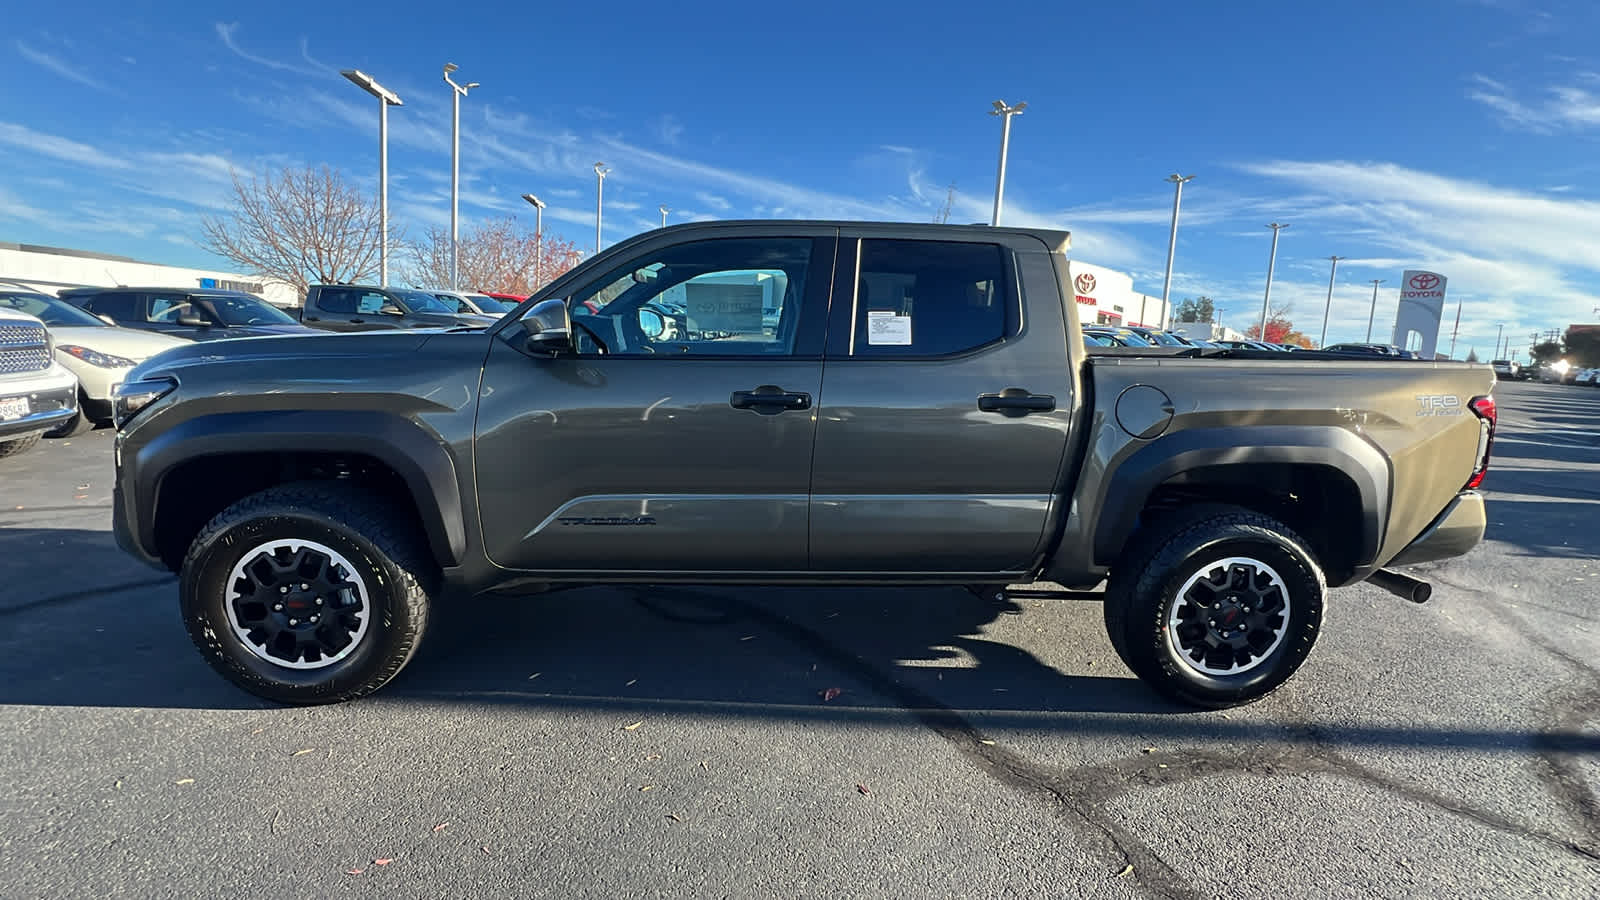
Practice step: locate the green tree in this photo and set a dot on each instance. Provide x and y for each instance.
(1583, 345)
(1548, 351)
(1197, 310)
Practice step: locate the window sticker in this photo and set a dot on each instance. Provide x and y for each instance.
(885, 328)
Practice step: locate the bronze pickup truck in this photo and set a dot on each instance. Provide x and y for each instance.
(811, 403)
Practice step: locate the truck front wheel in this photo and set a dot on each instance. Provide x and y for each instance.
(1217, 607)
(307, 593)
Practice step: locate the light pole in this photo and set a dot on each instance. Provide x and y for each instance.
(664, 212)
(1005, 112)
(1455, 330)
(457, 91)
(538, 239)
(1178, 181)
(1374, 314)
(600, 172)
(385, 97)
(1499, 332)
(1323, 341)
(1271, 261)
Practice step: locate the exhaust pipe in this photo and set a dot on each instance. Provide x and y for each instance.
(1402, 586)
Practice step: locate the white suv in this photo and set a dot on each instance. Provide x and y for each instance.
(37, 393)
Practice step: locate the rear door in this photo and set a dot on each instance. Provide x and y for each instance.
(945, 410)
(126, 308)
(677, 440)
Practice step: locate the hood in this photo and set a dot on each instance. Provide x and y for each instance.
(452, 320)
(129, 342)
(298, 347)
(240, 331)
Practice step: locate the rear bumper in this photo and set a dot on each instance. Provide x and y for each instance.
(52, 399)
(1458, 529)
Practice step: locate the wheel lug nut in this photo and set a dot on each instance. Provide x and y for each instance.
(305, 587)
(277, 607)
(294, 621)
(314, 619)
(319, 601)
(1212, 622)
(283, 590)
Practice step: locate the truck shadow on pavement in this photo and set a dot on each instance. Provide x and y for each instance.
(939, 656)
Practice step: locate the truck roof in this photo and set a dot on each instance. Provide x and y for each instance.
(1057, 239)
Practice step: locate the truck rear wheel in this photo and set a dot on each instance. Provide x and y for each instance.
(307, 593)
(1217, 607)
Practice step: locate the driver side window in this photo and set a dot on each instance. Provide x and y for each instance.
(724, 297)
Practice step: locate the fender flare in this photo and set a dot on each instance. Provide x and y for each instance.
(1340, 449)
(420, 457)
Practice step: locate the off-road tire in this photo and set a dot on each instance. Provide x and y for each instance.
(18, 445)
(378, 537)
(1143, 587)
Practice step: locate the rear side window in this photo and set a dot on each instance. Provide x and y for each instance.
(372, 302)
(928, 298)
(337, 300)
(122, 307)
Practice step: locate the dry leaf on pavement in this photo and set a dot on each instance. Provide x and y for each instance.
(304, 752)
(1126, 871)
(647, 787)
(863, 789)
(831, 693)
(184, 781)
(354, 871)
(441, 826)
(383, 862)
(674, 817)
(633, 727)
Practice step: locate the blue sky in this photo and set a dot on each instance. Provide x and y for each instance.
(1453, 134)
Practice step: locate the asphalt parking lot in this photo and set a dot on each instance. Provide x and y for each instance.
(692, 743)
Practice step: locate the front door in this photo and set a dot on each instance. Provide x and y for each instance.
(945, 414)
(677, 440)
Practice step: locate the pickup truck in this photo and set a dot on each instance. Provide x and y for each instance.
(356, 307)
(37, 393)
(921, 410)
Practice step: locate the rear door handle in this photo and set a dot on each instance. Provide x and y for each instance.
(769, 400)
(1014, 402)
(358, 321)
(310, 319)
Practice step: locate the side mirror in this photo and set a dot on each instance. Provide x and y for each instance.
(549, 328)
(652, 323)
(193, 320)
(389, 309)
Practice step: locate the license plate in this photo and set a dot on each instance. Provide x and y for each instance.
(13, 408)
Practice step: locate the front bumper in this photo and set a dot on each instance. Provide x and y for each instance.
(52, 400)
(1456, 530)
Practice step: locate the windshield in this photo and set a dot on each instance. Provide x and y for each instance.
(52, 311)
(238, 309)
(490, 304)
(1161, 337)
(419, 301)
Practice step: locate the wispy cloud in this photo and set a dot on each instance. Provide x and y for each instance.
(60, 148)
(720, 204)
(39, 57)
(670, 130)
(1561, 108)
(226, 32)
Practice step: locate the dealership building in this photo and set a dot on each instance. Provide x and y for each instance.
(52, 269)
(1106, 297)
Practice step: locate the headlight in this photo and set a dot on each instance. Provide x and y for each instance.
(131, 396)
(95, 358)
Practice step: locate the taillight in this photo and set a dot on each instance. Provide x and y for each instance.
(1484, 409)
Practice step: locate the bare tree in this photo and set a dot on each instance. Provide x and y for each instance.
(497, 255)
(299, 227)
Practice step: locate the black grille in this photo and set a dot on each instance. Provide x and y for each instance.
(23, 348)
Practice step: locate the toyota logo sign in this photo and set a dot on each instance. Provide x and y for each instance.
(1424, 281)
(1084, 283)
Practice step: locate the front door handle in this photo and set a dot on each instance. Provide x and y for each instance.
(769, 400)
(358, 321)
(1014, 402)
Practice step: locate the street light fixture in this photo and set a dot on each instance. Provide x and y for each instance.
(1271, 262)
(386, 98)
(1374, 314)
(1178, 181)
(1005, 112)
(1326, 307)
(664, 212)
(457, 91)
(538, 239)
(600, 173)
